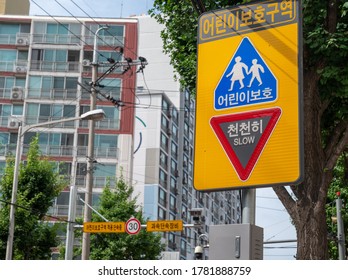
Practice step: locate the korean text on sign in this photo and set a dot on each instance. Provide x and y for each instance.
(245, 97)
(244, 128)
(165, 225)
(111, 227)
(233, 22)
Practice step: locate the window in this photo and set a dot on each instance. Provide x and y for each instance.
(46, 112)
(164, 142)
(173, 185)
(161, 213)
(162, 197)
(175, 132)
(52, 87)
(174, 150)
(163, 178)
(173, 166)
(112, 114)
(7, 57)
(172, 203)
(164, 123)
(113, 36)
(111, 87)
(62, 168)
(163, 160)
(175, 115)
(9, 109)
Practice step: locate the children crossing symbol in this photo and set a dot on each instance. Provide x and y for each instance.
(247, 80)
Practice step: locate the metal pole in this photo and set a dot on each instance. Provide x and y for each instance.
(90, 152)
(340, 230)
(69, 245)
(248, 206)
(9, 247)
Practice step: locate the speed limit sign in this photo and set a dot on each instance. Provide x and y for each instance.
(133, 226)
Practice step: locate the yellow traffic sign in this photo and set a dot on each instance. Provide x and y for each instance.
(165, 225)
(249, 130)
(104, 227)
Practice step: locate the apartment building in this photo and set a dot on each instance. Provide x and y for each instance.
(45, 75)
(164, 147)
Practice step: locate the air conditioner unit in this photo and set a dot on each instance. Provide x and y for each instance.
(21, 69)
(14, 122)
(22, 41)
(86, 62)
(17, 93)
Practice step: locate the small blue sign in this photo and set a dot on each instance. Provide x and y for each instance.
(247, 80)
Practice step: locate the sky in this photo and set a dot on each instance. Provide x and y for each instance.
(93, 8)
(270, 213)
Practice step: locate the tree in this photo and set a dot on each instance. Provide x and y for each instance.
(338, 185)
(325, 102)
(117, 205)
(38, 185)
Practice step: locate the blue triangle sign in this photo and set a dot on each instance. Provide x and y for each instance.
(247, 80)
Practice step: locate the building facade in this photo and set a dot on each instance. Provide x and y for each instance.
(14, 7)
(45, 75)
(164, 147)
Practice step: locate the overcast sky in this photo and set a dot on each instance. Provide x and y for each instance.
(270, 213)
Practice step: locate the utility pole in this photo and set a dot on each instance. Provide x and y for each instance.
(90, 151)
(69, 245)
(340, 229)
(128, 63)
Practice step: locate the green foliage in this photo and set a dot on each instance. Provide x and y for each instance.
(338, 184)
(118, 206)
(38, 185)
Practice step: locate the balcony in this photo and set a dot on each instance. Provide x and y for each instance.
(99, 152)
(98, 182)
(47, 150)
(59, 39)
(40, 119)
(62, 210)
(53, 94)
(50, 66)
(103, 124)
(20, 67)
(115, 41)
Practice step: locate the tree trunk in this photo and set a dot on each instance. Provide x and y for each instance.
(307, 209)
(311, 232)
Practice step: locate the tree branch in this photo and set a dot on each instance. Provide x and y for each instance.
(332, 16)
(286, 200)
(336, 144)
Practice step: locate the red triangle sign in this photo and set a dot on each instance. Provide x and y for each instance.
(244, 136)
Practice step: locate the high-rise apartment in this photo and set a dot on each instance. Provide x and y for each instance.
(164, 147)
(45, 74)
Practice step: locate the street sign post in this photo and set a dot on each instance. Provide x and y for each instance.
(133, 226)
(249, 97)
(165, 225)
(104, 227)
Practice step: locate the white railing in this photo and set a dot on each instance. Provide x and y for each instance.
(99, 152)
(50, 66)
(103, 124)
(98, 182)
(65, 94)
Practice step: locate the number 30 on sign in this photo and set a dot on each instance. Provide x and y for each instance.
(133, 226)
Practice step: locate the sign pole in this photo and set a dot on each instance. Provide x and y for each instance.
(248, 206)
